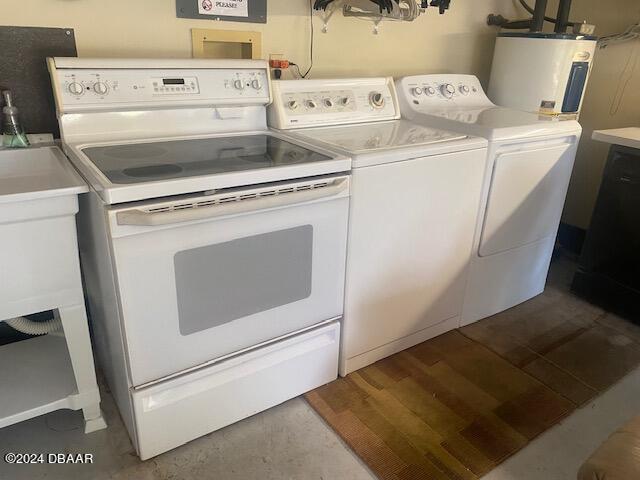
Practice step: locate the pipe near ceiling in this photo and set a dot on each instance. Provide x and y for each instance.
(537, 22)
(562, 19)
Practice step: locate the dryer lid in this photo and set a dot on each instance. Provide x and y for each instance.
(495, 123)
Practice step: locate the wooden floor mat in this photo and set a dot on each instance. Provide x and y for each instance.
(457, 405)
(448, 408)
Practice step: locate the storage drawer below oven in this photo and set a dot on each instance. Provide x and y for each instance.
(174, 412)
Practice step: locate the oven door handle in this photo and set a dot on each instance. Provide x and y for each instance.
(147, 218)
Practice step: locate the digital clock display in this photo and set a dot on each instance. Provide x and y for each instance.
(173, 81)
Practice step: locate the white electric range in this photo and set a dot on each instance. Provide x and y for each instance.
(415, 196)
(213, 249)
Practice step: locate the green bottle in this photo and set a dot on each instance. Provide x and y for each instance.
(13, 133)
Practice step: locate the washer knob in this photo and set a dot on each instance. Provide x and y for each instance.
(238, 84)
(100, 88)
(344, 101)
(464, 89)
(76, 89)
(256, 84)
(447, 90)
(293, 104)
(376, 100)
(430, 91)
(328, 102)
(311, 104)
(417, 91)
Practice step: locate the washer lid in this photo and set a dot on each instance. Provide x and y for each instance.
(380, 136)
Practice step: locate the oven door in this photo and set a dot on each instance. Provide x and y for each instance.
(203, 278)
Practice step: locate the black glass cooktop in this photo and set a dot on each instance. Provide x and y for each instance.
(148, 162)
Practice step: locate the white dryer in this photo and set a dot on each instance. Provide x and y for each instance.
(530, 163)
(415, 196)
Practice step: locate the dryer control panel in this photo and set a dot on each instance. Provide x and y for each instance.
(309, 103)
(443, 91)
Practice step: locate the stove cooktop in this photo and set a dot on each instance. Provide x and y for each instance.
(164, 160)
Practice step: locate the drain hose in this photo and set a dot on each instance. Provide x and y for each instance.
(30, 327)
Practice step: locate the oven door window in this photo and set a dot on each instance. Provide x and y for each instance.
(220, 283)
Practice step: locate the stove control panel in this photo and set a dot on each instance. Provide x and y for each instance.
(441, 90)
(308, 103)
(82, 86)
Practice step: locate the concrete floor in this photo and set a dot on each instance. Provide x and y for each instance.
(289, 442)
(292, 442)
(558, 453)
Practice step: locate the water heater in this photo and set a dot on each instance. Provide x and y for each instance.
(540, 72)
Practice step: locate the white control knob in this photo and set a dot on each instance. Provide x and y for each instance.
(376, 100)
(417, 91)
(447, 90)
(311, 104)
(100, 88)
(328, 102)
(76, 89)
(430, 91)
(293, 104)
(256, 84)
(344, 101)
(464, 89)
(238, 84)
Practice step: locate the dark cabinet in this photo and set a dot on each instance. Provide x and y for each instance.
(609, 268)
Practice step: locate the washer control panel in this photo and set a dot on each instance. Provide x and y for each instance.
(442, 90)
(306, 103)
(79, 89)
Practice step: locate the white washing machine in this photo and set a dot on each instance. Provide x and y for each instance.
(415, 197)
(530, 162)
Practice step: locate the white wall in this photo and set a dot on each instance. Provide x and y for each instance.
(458, 41)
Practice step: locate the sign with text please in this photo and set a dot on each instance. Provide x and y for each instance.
(228, 8)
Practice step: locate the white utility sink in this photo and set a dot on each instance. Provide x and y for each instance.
(38, 202)
(35, 173)
(40, 272)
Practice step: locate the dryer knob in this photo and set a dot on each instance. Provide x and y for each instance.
(416, 91)
(311, 104)
(293, 104)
